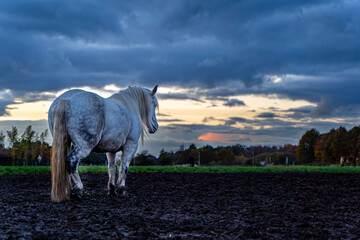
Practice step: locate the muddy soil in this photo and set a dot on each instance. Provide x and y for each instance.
(187, 206)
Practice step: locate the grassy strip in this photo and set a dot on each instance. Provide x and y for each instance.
(240, 169)
(9, 170)
(19, 170)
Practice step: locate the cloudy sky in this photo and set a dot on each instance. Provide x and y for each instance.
(249, 72)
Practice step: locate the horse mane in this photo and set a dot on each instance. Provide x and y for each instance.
(137, 100)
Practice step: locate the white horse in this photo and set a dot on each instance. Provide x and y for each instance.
(92, 123)
(348, 160)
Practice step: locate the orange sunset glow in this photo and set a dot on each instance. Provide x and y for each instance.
(220, 137)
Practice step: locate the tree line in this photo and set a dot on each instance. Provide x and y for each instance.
(313, 148)
(223, 155)
(328, 148)
(27, 148)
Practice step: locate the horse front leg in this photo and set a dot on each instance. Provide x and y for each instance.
(129, 150)
(112, 172)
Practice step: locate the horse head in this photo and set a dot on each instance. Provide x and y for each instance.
(152, 124)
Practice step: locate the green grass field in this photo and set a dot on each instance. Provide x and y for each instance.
(9, 170)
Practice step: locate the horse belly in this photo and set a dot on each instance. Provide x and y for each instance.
(111, 142)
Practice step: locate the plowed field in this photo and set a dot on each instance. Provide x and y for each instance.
(187, 206)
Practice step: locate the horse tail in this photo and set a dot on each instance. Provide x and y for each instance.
(60, 190)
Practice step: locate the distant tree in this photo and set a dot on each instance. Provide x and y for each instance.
(305, 151)
(207, 155)
(144, 159)
(14, 142)
(329, 147)
(12, 136)
(162, 151)
(29, 135)
(43, 136)
(208, 147)
(354, 142)
(184, 157)
(340, 143)
(43, 148)
(320, 148)
(192, 146)
(2, 141)
(288, 148)
(225, 156)
(165, 159)
(27, 143)
(238, 149)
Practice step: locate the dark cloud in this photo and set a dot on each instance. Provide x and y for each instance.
(207, 119)
(234, 120)
(304, 109)
(35, 97)
(5, 100)
(266, 115)
(163, 115)
(239, 119)
(178, 96)
(297, 115)
(53, 18)
(234, 103)
(170, 120)
(241, 140)
(3, 107)
(188, 42)
(300, 112)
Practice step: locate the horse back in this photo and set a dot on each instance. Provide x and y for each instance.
(94, 122)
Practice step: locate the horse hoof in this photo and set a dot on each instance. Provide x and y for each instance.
(124, 194)
(76, 195)
(112, 190)
(121, 192)
(112, 193)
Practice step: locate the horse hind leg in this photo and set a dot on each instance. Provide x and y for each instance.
(129, 150)
(76, 186)
(112, 172)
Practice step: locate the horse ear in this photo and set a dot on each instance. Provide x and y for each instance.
(154, 90)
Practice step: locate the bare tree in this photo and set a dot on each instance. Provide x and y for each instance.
(2, 139)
